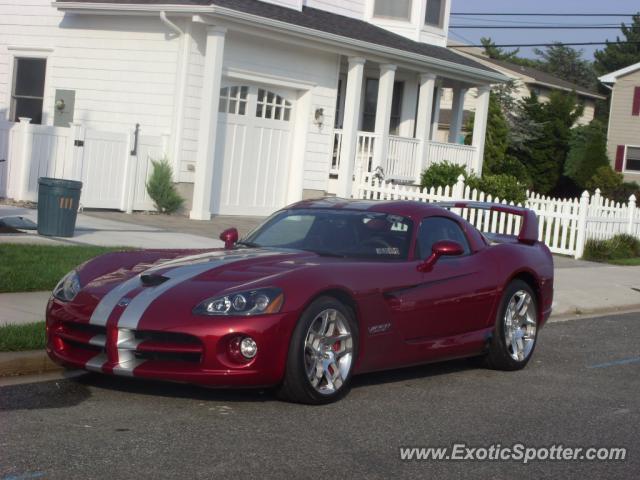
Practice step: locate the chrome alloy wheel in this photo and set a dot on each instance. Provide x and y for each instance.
(520, 325)
(328, 351)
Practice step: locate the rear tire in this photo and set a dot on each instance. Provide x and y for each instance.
(516, 328)
(322, 353)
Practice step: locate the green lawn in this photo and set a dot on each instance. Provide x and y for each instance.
(26, 268)
(17, 338)
(628, 262)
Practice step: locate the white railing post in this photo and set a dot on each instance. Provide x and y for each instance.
(26, 158)
(632, 213)
(583, 210)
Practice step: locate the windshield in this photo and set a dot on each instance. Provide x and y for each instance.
(343, 233)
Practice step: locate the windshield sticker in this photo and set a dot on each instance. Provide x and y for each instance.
(388, 251)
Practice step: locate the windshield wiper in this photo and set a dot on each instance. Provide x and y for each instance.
(323, 253)
(245, 243)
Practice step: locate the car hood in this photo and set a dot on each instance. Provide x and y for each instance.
(212, 271)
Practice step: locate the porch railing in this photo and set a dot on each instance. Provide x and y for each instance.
(402, 162)
(402, 159)
(464, 155)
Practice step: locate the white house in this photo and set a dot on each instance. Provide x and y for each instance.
(255, 103)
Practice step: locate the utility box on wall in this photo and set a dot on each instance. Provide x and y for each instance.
(63, 108)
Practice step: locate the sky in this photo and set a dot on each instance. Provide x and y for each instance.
(509, 36)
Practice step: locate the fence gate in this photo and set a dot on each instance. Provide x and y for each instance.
(102, 160)
(4, 158)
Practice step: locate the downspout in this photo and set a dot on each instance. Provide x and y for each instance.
(170, 24)
(181, 80)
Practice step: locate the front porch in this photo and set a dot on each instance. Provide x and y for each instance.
(387, 120)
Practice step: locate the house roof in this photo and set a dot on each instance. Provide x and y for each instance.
(613, 76)
(543, 78)
(318, 20)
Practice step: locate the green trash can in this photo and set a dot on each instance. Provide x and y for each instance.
(58, 203)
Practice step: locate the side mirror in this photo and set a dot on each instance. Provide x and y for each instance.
(443, 248)
(229, 237)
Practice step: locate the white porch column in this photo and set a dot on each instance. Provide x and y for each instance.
(457, 112)
(435, 124)
(480, 125)
(383, 113)
(350, 126)
(425, 112)
(202, 187)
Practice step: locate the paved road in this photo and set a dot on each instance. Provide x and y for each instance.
(98, 427)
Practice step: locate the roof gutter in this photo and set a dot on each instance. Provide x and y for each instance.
(567, 89)
(230, 14)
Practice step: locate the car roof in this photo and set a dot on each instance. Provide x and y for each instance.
(396, 207)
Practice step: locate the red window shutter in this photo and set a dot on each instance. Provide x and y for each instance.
(619, 158)
(636, 102)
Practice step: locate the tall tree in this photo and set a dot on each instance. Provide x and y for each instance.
(588, 152)
(567, 63)
(498, 53)
(619, 55)
(547, 154)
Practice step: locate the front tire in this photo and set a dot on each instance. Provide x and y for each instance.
(322, 353)
(516, 329)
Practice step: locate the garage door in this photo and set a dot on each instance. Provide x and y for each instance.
(254, 140)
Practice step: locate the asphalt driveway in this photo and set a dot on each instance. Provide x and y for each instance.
(581, 389)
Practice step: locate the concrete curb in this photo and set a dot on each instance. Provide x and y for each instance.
(26, 363)
(595, 312)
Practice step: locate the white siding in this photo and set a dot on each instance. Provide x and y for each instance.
(296, 4)
(349, 8)
(316, 69)
(123, 69)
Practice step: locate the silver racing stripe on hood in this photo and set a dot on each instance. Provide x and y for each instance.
(179, 270)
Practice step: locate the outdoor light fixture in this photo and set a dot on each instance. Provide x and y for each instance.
(60, 105)
(319, 117)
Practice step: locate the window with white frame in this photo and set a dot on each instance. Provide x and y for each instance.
(371, 106)
(27, 92)
(395, 9)
(434, 16)
(632, 161)
(234, 100)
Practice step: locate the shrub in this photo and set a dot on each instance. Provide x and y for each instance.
(502, 186)
(616, 248)
(588, 152)
(441, 175)
(612, 185)
(161, 188)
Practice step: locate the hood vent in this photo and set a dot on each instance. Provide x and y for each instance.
(152, 280)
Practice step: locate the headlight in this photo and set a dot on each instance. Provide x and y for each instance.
(68, 287)
(253, 302)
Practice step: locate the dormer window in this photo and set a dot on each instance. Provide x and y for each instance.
(394, 9)
(435, 13)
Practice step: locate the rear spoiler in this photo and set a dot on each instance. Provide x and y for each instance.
(528, 227)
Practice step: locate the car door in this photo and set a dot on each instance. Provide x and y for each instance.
(455, 297)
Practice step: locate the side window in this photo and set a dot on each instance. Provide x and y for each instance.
(435, 229)
(272, 106)
(28, 89)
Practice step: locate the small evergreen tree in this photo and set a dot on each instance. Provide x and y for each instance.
(625, 52)
(161, 189)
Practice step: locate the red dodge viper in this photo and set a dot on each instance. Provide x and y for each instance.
(321, 291)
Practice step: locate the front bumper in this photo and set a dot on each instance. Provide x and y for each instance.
(198, 350)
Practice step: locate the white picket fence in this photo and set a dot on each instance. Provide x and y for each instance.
(564, 225)
(112, 176)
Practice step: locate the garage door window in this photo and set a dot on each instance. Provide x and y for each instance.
(234, 100)
(272, 106)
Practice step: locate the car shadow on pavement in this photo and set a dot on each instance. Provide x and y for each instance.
(417, 372)
(61, 393)
(140, 386)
